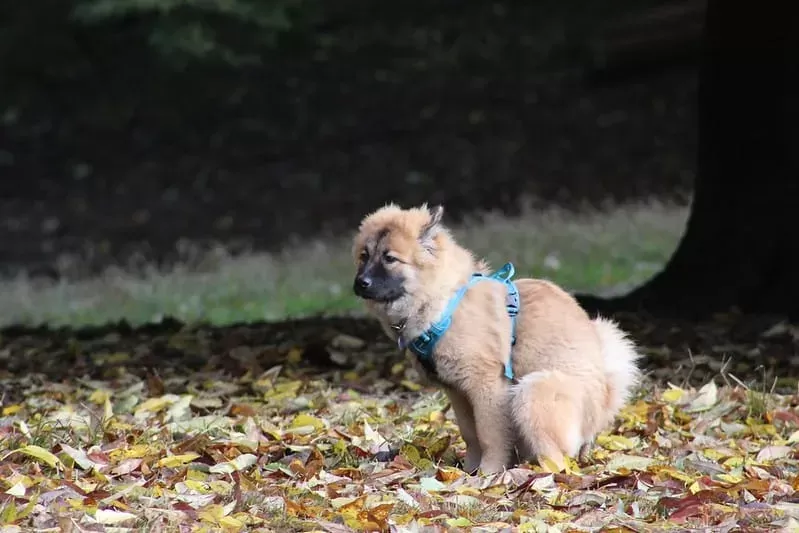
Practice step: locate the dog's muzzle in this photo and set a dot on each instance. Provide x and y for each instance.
(380, 291)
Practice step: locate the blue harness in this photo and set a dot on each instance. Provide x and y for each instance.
(425, 343)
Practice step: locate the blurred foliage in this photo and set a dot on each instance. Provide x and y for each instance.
(231, 31)
(45, 35)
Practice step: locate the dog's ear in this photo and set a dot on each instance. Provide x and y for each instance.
(429, 230)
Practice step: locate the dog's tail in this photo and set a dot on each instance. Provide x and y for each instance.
(546, 410)
(621, 364)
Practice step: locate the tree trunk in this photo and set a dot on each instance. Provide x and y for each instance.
(741, 244)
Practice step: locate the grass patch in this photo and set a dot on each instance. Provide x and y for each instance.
(596, 251)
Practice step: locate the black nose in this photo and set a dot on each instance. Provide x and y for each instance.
(363, 282)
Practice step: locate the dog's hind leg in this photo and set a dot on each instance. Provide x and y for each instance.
(546, 412)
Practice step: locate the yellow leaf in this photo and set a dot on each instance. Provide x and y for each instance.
(154, 405)
(39, 453)
(733, 462)
(282, 390)
(100, 396)
(220, 487)
(532, 525)
(549, 465)
(229, 522)
(436, 417)
(86, 485)
(196, 486)
(761, 430)
(729, 478)
(552, 515)
(412, 454)
(673, 395)
(713, 454)
(794, 437)
(28, 508)
(411, 385)
(196, 475)
(19, 478)
(173, 461)
(8, 514)
(673, 473)
(628, 462)
(617, 442)
(305, 420)
(11, 410)
(212, 513)
(438, 446)
(137, 451)
(294, 356)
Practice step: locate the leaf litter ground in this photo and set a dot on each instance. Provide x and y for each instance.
(319, 425)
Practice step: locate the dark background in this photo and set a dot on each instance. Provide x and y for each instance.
(127, 130)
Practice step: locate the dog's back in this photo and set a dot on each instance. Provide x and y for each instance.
(554, 332)
(575, 373)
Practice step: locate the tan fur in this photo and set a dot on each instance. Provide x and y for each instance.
(574, 373)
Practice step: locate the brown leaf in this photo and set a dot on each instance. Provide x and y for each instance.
(681, 509)
(242, 409)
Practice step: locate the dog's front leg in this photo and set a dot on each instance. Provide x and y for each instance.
(493, 424)
(464, 415)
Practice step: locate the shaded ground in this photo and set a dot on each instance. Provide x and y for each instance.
(114, 156)
(750, 348)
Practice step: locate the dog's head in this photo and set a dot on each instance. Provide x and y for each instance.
(392, 249)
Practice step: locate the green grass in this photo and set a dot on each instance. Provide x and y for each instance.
(599, 252)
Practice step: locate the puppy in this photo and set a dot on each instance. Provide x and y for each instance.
(528, 373)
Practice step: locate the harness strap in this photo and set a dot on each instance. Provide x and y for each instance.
(424, 345)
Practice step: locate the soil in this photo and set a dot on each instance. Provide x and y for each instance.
(124, 161)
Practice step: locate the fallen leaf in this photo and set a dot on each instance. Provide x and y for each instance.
(706, 398)
(769, 453)
(112, 517)
(79, 456)
(242, 462)
(617, 442)
(38, 453)
(629, 462)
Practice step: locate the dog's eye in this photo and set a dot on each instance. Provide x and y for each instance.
(364, 255)
(388, 258)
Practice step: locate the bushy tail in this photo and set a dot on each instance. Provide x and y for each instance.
(621, 363)
(546, 409)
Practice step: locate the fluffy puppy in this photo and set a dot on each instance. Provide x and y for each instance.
(571, 374)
